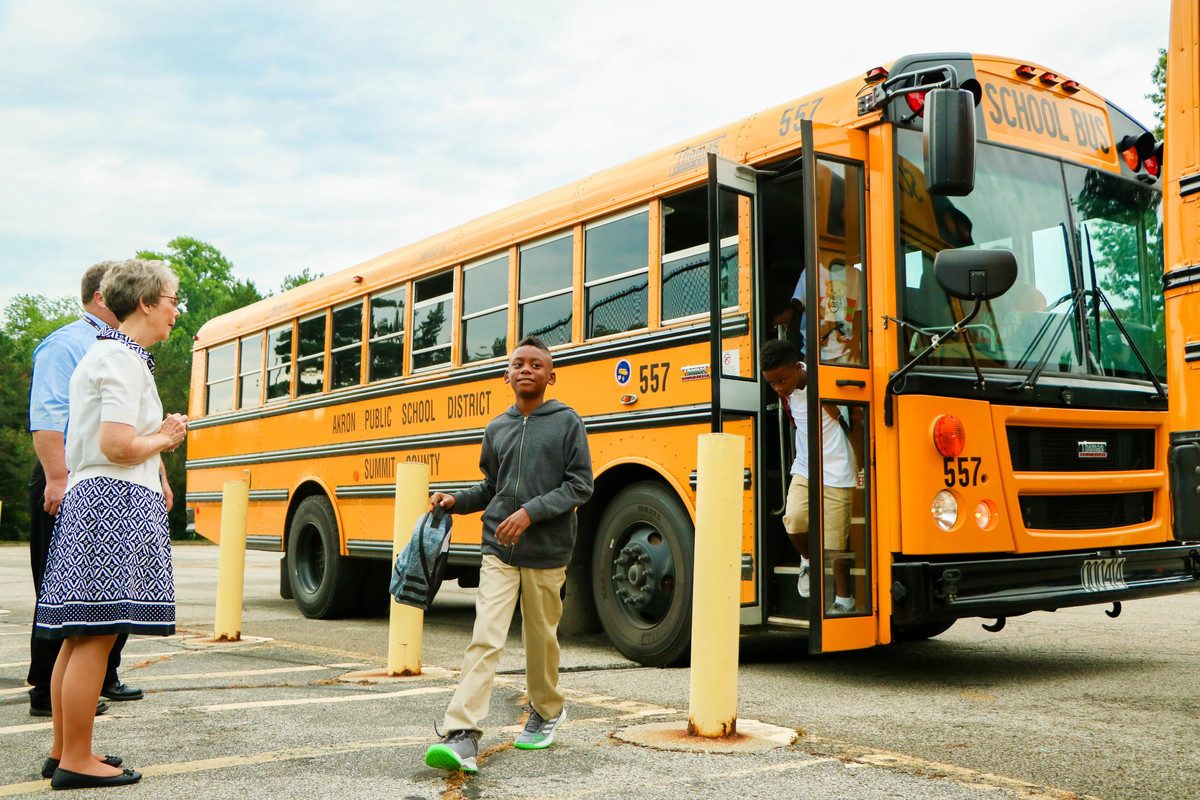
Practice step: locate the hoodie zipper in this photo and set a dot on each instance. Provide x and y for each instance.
(520, 458)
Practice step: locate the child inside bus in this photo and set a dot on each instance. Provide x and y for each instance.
(536, 470)
(784, 371)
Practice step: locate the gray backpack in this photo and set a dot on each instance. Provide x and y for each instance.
(420, 566)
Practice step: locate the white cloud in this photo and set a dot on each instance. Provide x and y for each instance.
(319, 135)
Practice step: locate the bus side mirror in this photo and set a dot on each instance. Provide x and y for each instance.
(971, 274)
(949, 142)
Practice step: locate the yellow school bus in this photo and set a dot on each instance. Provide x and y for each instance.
(1009, 463)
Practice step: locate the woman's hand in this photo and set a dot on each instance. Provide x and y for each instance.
(174, 428)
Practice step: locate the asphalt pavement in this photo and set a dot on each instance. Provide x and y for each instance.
(277, 719)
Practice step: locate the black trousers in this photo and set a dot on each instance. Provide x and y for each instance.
(43, 652)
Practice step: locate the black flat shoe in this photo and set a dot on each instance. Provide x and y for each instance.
(120, 692)
(52, 764)
(44, 711)
(65, 779)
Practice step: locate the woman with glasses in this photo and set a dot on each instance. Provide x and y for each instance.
(109, 566)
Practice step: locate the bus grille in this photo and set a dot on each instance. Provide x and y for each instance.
(1075, 512)
(1036, 449)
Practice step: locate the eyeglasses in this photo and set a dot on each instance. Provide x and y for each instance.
(174, 300)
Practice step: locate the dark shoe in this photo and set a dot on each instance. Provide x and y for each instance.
(65, 779)
(52, 764)
(120, 692)
(44, 711)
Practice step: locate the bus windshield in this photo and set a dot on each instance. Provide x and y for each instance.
(1070, 228)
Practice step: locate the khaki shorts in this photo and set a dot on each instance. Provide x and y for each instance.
(837, 513)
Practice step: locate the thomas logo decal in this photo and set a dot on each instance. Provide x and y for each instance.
(624, 372)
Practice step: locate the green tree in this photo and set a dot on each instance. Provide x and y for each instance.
(27, 320)
(207, 288)
(299, 279)
(1159, 95)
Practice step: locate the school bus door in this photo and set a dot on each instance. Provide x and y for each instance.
(843, 606)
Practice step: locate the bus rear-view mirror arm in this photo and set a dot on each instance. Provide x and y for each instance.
(978, 275)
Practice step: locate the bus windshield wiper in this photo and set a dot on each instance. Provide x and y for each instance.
(1051, 343)
(1101, 297)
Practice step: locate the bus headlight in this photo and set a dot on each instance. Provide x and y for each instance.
(945, 509)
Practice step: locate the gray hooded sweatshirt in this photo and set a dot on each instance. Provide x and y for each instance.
(540, 462)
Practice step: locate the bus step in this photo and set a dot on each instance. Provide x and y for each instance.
(788, 622)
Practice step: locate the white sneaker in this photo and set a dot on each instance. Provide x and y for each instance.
(802, 585)
(842, 605)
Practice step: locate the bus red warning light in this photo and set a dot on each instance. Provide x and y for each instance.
(949, 435)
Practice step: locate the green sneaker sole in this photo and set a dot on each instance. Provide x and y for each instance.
(439, 756)
(532, 745)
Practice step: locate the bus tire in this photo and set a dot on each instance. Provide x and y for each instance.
(642, 574)
(919, 633)
(325, 584)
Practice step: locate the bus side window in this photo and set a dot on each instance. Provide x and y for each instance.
(345, 347)
(386, 347)
(218, 377)
(544, 288)
(279, 362)
(432, 328)
(615, 273)
(485, 309)
(250, 358)
(310, 355)
(685, 253)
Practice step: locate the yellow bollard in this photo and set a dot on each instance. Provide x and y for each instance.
(712, 709)
(405, 625)
(231, 571)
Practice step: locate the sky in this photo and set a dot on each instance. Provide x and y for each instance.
(316, 135)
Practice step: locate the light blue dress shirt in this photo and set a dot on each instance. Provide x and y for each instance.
(54, 361)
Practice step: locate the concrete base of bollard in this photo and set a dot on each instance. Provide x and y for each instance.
(208, 641)
(382, 676)
(752, 737)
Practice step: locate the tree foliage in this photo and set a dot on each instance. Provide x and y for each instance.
(299, 279)
(1159, 95)
(207, 287)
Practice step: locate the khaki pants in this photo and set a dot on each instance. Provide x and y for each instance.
(541, 609)
(836, 519)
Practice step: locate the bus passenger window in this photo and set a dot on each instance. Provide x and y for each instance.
(279, 362)
(345, 349)
(544, 289)
(219, 378)
(615, 273)
(685, 254)
(386, 353)
(431, 321)
(485, 309)
(250, 372)
(310, 356)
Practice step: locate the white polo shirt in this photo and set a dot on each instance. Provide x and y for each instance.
(111, 384)
(838, 465)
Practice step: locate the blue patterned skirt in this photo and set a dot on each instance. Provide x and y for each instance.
(109, 566)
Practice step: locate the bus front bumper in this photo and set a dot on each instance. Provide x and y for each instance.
(930, 591)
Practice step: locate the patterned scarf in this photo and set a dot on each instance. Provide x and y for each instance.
(116, 335)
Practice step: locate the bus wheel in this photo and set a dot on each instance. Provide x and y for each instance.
(325, 584)
(642, 574)
(918, 633)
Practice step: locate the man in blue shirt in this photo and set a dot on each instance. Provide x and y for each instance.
(54, 361)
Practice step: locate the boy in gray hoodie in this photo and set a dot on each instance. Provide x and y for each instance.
(536, 470)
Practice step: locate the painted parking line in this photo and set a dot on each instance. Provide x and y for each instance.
(228, 762)
(124, 655)
(38, 726)
(314, 701)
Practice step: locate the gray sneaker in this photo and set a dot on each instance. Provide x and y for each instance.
(456, 751)
(539, 732)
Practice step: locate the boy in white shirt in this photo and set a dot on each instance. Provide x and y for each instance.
(785, 373)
